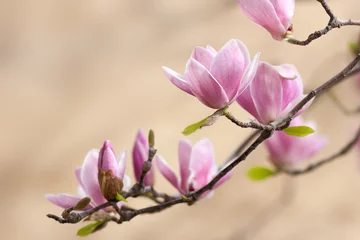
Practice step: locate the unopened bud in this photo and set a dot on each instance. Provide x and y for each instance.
(151, 138)
(110, 185)
(83, 203)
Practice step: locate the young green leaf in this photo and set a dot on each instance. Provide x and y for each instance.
(298, 131)
(88, 229)
(354, 47)
(194, 127)
(259, 173)
(120, 198)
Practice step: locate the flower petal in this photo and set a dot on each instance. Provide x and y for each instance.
(121, 161)
(202, 163)
(263, 13)
(89, 177)
(166, 171)
(184, 162)
(229, 66)
(249, 75)
(284, 10)
(211, 50)
(266, 92)
(177, 79)
(64, 200)
(292, 83)
(204, 86)
(140, 155)
(203, 56)
(107, 159)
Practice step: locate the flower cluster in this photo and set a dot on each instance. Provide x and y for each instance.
(102, 175)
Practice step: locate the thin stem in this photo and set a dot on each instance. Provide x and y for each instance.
(344, 150)
(251, 124)
(333, 23)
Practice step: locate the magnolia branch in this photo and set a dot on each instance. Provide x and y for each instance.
(333, 23)
(344, 150)
(126, 214)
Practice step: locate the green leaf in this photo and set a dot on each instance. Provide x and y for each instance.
(88, 229)
(193, 127)
(259, 173)
(298, 131)
(120, 198)
(354, 47)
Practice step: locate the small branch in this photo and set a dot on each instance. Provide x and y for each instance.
(333, 23)
(190, 198)
(241, 147)
(147, 165)
(252, 124)
(344, 150)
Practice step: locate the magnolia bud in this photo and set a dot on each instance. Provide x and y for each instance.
(110, 185)
(83, 203)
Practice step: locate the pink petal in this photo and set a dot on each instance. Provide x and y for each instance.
(249, 75)
(284, 10)
(292, 84)
(107, 159)
(203, 56)
(266, 92)
(202, 163)
(78, 176)
(177, 79)
(166, 171)
(229, 66)
(204, 86)
(121, 161)
(211, 50)
(184, 163)
(64, 200)
(293, 103)
(89, 177)
(263, 13)
(246, 101)
(140, 154)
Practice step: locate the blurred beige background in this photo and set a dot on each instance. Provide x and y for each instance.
(76, 72)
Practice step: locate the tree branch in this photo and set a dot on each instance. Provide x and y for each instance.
(344, 150)
(126, 215)
(333, 23)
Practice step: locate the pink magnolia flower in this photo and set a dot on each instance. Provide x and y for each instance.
(216, 78)
(87, 176)
(140, 154)
(273, 15)
(357, 79)
(274, 91)
(288, 151)
(197, 167)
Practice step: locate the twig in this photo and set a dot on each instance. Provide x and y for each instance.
(147, 165)
(344, 150)
(266, 133)
(241, 147)
(333, 23)
(252, 124)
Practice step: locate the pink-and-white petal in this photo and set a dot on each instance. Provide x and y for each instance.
(202, 163)
(107, 159)
(64, 200)
(184, 163)
(284, 10)
(166, 171)
(266, 92)
(248, 76)
(229, 65)
(89, 177)
(121, 161)
(263, 13)
(204, 86)
(203, 56)
(177, 79)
